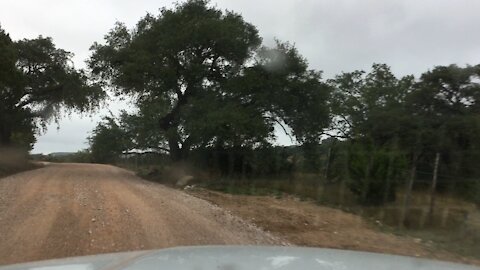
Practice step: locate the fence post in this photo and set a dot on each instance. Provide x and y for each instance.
(434, 186)
(408, 192)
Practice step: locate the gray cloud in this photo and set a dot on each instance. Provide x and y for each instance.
(342, 35)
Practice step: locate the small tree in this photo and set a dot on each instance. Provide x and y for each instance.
(370, 112)
(108, 141)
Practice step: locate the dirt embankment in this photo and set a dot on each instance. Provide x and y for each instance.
(65, 210)
(306, 224)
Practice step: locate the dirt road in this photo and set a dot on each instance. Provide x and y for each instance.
(65, 210)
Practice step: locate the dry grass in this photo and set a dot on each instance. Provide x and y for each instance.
(13, 161)
(305, 223)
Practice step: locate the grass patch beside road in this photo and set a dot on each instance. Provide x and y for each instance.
(14, 160)
(254, 198)
(305, 223)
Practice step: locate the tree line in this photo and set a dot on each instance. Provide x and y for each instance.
(205, 89)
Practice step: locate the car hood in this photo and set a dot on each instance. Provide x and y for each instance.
(240, 258)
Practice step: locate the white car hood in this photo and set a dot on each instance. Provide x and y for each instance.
(241, 258)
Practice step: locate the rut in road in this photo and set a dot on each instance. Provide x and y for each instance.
(65, 210)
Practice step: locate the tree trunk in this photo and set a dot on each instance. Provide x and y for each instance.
(244, 165)
(216, 161)
(366, 184)
(175, 151)
(408, 191)
(325, 176)
(434, 186)
(5, 136)
(170, 122)
(456, 171)
(346, 177)
(231, 162)
(388, 179)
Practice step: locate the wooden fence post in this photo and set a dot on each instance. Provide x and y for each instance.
(434, 186)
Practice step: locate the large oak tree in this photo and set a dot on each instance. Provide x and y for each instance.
(38, 82)
(200, 77)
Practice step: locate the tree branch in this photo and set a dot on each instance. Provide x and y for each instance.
(167, 121)
(145, 152)
(282, 126)
(39, 97)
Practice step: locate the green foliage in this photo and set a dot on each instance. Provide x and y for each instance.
(413, 120)
(200, 79)
(108, 141)
(370, 105)
(37, 83)
(374, 174)
(445, 110)
(370, 113)
(207, 91)
(82, 156)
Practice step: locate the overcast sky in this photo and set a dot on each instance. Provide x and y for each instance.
(334, 35)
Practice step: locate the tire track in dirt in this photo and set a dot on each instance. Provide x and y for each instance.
(183, 204)
(167, 225)
(37, 213)
(18, 191)
(65, 210)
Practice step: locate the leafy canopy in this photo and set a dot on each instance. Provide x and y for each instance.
(200, 77)
(38, 82)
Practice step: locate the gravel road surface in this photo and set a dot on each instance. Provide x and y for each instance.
(64, 210)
